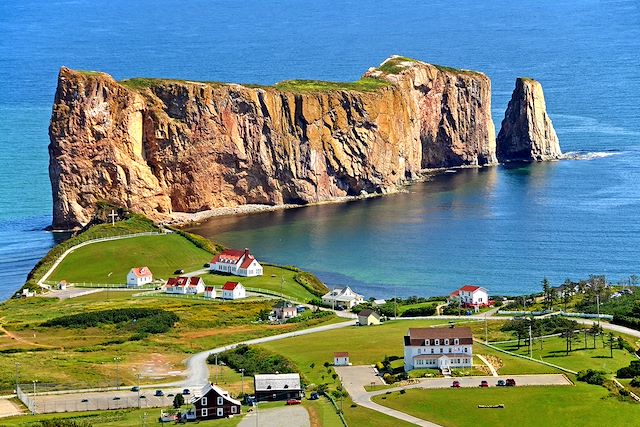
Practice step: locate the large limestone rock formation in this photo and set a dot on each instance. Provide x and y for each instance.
(164, 146)
(527, 133)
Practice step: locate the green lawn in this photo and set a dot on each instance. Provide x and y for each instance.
(109, 262)
(322, 413)
(275, 279)
(583, 405)
(554, 351)
(119, 418)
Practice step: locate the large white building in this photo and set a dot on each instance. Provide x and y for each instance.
(470, 296)
(344, 297)
(238, 263)
(139, 276)
(438, 348)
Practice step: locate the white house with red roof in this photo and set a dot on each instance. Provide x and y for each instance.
(470, 296)
(184, 285)
(236, 262)
(233, 290)
(210, 292)
(139, 276)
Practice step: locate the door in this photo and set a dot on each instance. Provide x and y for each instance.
(220, 412)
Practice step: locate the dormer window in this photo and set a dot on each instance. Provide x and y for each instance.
(446, 342)
(437, 341)
(426, 342)
(456, 341)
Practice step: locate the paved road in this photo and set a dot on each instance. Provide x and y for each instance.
(290, 416)
(8, 408)
(354, 378)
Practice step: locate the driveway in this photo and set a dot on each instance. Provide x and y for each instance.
(8, 408)
(290, 416)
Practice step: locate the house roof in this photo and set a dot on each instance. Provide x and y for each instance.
(230, 286)
(367, 313)
(469, 288)
(232, 256)
(209, 289)
(416, 336)
(213, 388)
(455, 293)
(341, 294)
(273, 382)
(182, 281)
(246, 262)
(141, 271)
(341, 354)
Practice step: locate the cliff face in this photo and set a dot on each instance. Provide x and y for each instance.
(527, 133)
(162, 146)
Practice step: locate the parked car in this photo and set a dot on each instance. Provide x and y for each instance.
(511, 382)
(179, 271)
(314, 396)
(293, 402)
(142, 396)
(484, 383)
(501, 383)
(116, 398)
(170, 395)
(456, 384)
(186, 391)
(159, 393)
(84, 400)
(135, 388)
(206, 265)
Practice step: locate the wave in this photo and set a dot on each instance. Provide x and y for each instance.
(588, 155)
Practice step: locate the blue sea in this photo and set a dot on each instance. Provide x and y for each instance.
(504, 228)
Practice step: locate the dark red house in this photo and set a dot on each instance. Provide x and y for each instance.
(214, 403)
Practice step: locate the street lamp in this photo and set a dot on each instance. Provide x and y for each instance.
(242, 382)
(117, 360)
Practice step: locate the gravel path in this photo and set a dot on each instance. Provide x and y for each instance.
(290, 416)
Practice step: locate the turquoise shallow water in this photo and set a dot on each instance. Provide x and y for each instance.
(498, 227)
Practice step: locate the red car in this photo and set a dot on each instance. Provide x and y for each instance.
(456, 384)
(484, 384)
(511, 382)
(293, 402)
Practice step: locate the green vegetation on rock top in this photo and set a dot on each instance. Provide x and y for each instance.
(394, 65)
(363, 85)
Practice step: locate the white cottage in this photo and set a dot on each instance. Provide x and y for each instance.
(238, 263)
(438, 348)
(139, 276)
(210, 292)
(344, 297)
(470, 296)
(233, 290)
(341, 358)
(185, 285)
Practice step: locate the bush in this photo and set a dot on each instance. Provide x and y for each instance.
(628, 321)
(254, 360)
(631, 371)
(199, 241)
(591, 376)
(142, 320)
(635, 382)
(61, 422)
(428, 310)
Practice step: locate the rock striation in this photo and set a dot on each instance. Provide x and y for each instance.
(527, 133)
(166, 146)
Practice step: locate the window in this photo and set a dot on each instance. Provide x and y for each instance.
(446, 342)
(441, 350)
(204, 401)
(220, 412)
(450, 350)
(456, 341)
(220, 401)
(234, 409)
(426, 342)
(204, 412)
(437, 342)
(465, 349)
(432, 351)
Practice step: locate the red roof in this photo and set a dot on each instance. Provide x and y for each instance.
(341, 354)
(183, 281)
(454, 293)
(141, 271)
(247, 261)
(230, 286)
(209, 288)
(230, 256)
(469, 288)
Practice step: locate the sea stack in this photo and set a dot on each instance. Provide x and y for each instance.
(527, 134)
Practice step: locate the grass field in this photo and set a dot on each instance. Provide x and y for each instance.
(83, 358)
(109, 262)
(583, 405)
(554, 351)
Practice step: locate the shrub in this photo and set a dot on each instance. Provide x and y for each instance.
(428, 310)
(199, 241)
(254, 360)
(591, 376)
(631, 371)
(61, 422)
(635, 382)
(142, 320)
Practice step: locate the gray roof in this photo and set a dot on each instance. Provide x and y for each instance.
(268, 382)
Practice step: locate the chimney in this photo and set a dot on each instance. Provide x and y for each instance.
(246, 251)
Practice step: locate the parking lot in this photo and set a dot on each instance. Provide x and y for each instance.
(103, 400)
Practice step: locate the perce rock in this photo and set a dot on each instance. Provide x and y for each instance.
(164, 146)
(527, 133)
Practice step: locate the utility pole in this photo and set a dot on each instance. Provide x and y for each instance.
(598, 304)
(138, 375)
(486, 330)
(242, 382)
(34, 411)
(17, 376)
(530, 342)
(217, 369)
(117, 360)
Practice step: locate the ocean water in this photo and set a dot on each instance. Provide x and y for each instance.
(500, 227)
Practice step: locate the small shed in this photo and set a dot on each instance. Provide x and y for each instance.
(368, 317)
(341, 358)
